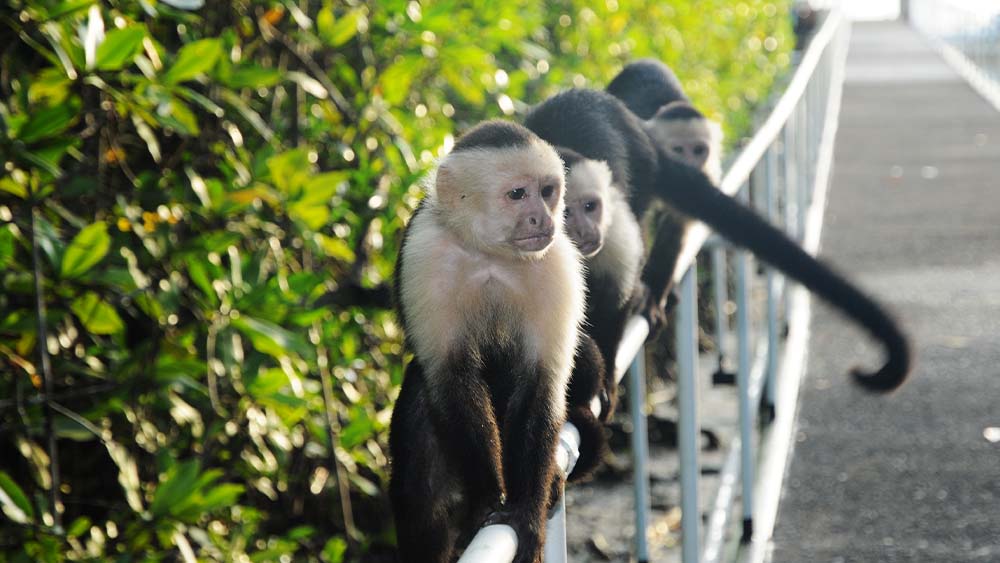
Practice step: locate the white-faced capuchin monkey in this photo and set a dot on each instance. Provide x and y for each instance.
(490, 292)
(601, 225)
(599, 127)
(651, 90)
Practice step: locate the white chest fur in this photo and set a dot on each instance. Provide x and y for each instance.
(453, 297)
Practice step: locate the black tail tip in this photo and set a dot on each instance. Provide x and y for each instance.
(892, 375)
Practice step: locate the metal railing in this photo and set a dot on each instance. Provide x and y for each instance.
(782, 171)
(968, 36)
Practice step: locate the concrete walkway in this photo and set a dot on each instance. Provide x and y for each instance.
(914, 216)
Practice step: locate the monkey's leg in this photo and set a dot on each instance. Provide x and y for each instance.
(466, 425)
(607, 322)
(421, 487)
(531, 430)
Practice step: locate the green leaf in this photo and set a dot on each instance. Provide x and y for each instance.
(78, 527)
(336, 32)
(88, 248)
(6, 246)
(360, 429)
(312, 215)
(49, 121)
(179, 484)
(397, 79)
(334, 550)
(223, 495)
(96, 315)
(183, 118)
(290, 170)
(268, 337)
(194, 59)
(119, 47)
(253, 76)
(13, 501)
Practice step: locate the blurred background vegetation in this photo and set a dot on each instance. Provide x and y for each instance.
(208, 197)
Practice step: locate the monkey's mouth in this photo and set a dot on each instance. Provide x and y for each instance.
(589, 248)
(535, 242)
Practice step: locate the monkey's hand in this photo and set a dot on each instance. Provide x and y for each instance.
(529, 531)
(655, 313)
(555, 492)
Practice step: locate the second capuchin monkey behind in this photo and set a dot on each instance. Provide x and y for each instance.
(651, 90)
(601, 225)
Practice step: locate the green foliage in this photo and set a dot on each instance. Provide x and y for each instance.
(199, 179)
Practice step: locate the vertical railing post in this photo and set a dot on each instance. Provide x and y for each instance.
(640, 454)
(743, 380)
(688, 429)
(788, 144)
(771, 207)
(801, 164)
(720, 291)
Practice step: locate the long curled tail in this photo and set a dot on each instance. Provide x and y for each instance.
(691, 192)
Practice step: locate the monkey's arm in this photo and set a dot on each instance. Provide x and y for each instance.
(589, 380)
(659, 271)
(530, 435)
(463, 416)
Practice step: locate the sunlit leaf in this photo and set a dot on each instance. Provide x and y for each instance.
(312, 86)
(396, 80)
(93, 35)
(185, 4)
(96, 315)
(194, 59)
(79, 527)
(334, 550)
(88, 248)
(336, 248)
(119, 47)
(337, 31)
(13, 501)
(268, 337)
(290, 170)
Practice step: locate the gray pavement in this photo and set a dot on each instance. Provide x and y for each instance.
(914, 216)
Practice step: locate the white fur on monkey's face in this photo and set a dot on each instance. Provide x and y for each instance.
(587, 187)
(695, 141)
(503, 201)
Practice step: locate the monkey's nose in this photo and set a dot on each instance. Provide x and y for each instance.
(533, 220)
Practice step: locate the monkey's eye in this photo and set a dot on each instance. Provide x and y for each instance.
(590, 206)
(517, 193)
(679, 149)
(699, 150)
(567, 212)
(547, 191)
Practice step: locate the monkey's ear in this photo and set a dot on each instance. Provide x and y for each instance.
(448, 186)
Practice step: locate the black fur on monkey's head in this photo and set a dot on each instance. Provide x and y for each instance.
(678, 110)
(495, 134)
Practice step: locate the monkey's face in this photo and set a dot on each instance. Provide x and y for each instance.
(684, 140)
(587, 220)
(505, 201)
